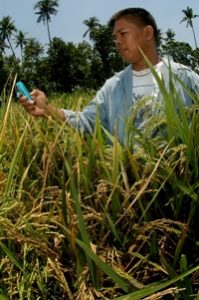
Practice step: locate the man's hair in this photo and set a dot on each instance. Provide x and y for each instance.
(138, 15)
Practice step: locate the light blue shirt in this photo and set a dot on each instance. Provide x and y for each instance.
(114, 102)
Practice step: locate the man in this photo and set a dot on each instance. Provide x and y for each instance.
(135, 34)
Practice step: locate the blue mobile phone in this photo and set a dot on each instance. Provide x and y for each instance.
(22, 90)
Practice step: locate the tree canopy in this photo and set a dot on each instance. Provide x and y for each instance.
(65, 66)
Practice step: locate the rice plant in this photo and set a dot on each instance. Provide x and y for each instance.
(83, 219)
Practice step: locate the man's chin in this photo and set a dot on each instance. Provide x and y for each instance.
(126, 58)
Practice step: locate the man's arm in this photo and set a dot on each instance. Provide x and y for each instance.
(80, 120)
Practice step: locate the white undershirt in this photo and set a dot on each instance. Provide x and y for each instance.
(145, 95)
(144, 83)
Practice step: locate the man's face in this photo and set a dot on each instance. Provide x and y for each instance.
(128, 38)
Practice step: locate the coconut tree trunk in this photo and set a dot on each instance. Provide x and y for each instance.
(194, 36)
(11, 47)
(48, 28)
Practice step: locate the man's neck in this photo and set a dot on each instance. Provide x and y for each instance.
(142, 64)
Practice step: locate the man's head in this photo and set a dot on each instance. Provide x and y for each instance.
(135, 29)
(137, 15)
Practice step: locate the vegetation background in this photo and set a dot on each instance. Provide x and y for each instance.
(80, 218)
(63, 67)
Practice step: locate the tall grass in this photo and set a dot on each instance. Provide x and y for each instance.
(80, 219)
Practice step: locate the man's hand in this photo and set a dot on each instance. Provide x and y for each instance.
(39, 107)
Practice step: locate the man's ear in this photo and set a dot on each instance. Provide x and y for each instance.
(149, 32)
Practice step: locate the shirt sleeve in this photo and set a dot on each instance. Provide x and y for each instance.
(85, 120)
(193, 83)
(191, 80)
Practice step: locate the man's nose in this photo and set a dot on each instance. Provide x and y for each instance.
(117, 41)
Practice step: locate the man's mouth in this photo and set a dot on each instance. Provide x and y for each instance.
(122, 50)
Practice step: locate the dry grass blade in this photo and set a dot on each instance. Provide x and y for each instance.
(143, 188)
(171, 291)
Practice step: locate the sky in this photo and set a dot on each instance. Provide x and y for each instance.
(68, 22)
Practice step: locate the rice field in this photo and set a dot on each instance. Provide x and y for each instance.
(84, 219)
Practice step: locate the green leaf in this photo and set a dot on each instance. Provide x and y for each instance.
(3, 297)
(104, 267)
(13, 165)
(151, 289)
(11, 256)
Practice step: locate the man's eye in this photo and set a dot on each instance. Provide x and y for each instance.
(123, 33)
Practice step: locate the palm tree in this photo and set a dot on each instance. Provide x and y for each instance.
(20, 41)
(46, 8)
(7, 28)
(33, 49)
(91, 23)
(3, 46)
(170, 34)
(189, 16)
